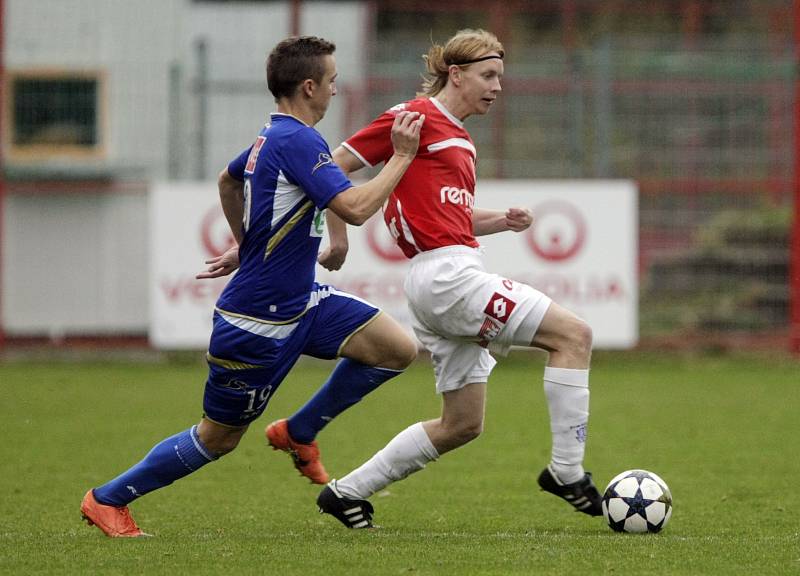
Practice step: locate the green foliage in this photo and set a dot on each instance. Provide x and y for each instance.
(763, 227)
(722, 432)
(733, 278)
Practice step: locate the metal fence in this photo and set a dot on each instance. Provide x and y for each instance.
(692, 99)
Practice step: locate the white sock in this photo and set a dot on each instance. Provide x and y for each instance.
(405, 454)
(567, 392)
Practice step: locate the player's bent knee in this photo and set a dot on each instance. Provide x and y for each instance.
(468, 434)
(219, 439)
(400, 356)
(472, 432)
(406, 354)
(574, 339)
(583, 338)
(224, 445)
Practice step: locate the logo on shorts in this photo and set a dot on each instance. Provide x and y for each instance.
(235, 385)
(489, 331)
(499, 307)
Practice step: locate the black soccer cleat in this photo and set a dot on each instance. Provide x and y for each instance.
(351, 513)
(583, 494)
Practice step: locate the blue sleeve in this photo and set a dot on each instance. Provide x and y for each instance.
(310, 165)
(236, 166)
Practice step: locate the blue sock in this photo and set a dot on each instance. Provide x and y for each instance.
(349, 382)
(169, 460)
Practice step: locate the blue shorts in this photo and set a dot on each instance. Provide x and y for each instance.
(248, 358)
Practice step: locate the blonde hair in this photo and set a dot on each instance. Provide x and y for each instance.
(467, 45)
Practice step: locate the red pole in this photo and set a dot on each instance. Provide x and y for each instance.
(692, 13)
(294, 18)
(2, 166)
(794, 262)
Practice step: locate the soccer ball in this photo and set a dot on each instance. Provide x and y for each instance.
(637, 501)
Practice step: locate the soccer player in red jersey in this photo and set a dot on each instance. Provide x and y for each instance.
(459, 310)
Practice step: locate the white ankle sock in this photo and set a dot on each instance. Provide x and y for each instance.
(567, 392)
(405, 454)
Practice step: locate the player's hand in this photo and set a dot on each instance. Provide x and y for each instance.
(518, 219)
(332, 258)
(221, 265)
(405, 132)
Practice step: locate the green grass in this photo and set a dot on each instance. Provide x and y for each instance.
(723, 432)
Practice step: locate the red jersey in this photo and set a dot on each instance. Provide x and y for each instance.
(432, 205)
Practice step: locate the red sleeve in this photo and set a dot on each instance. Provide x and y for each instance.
(373, 143)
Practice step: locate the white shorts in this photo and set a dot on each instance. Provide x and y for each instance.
(460, 312)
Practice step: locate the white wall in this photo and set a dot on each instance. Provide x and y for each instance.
(134, 44)
(131, 43)
(77, 262)
(239, 38)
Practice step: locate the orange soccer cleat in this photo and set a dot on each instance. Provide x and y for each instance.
(305, 456)
(114, 522)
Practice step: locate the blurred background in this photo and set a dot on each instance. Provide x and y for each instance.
(695, 101)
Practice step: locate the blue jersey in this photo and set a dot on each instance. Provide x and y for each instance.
(289, 178)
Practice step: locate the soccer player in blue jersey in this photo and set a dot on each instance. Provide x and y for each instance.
(274, 196)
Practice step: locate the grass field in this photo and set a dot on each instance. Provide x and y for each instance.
(723, 432)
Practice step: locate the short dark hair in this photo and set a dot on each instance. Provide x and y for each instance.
(296, 59)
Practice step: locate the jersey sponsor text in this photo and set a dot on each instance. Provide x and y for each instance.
(458, 196)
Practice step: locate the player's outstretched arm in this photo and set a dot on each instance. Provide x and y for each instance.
(355, 205)
(492, 221)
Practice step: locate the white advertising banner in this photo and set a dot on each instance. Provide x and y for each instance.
(582, 251)
(187, 227)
